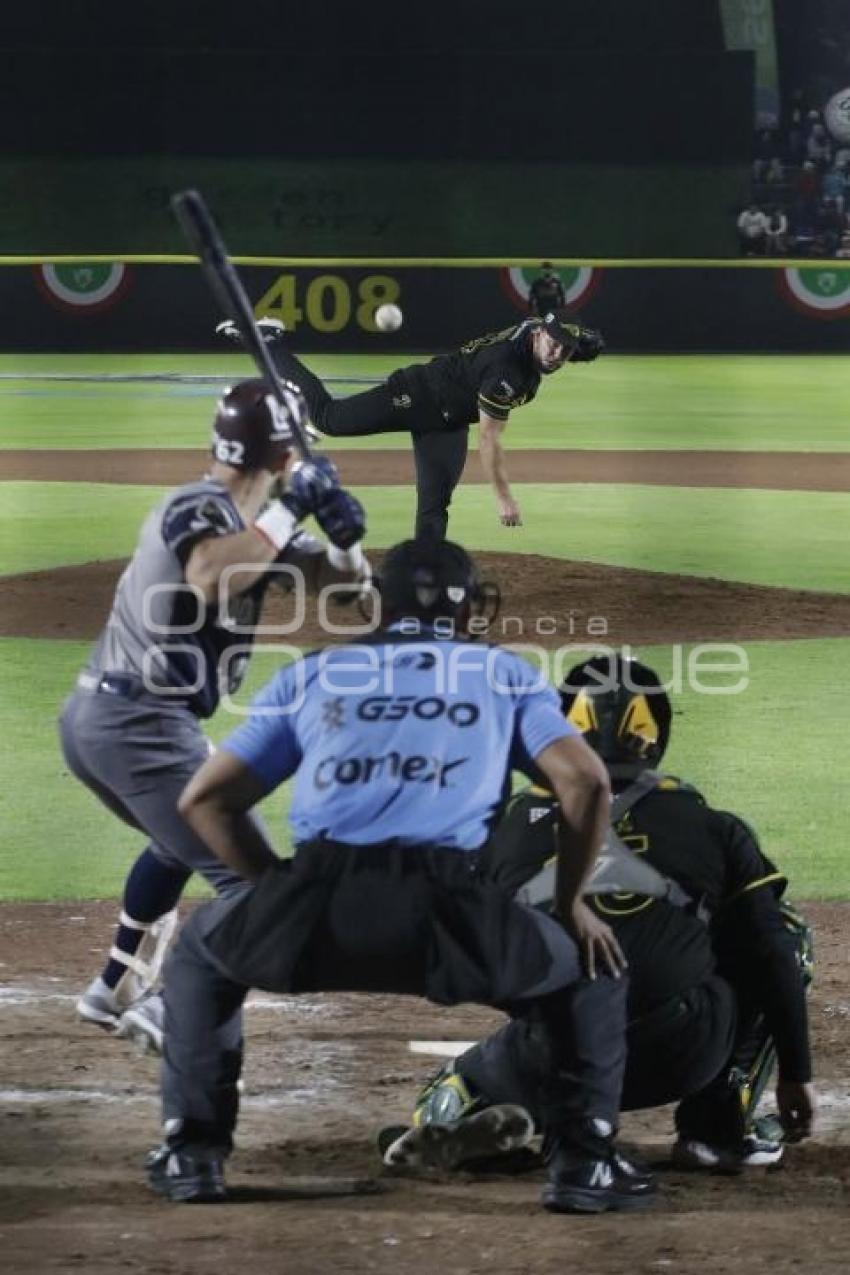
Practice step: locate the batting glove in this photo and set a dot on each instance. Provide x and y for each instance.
(342, 518)
(310, 482)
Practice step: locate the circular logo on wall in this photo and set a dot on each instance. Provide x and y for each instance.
(836, 115)
(84, 287)
(819, 291)
(580, 282)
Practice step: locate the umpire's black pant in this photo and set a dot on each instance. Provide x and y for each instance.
(439, 449)
(383, 919)
(675, 1050)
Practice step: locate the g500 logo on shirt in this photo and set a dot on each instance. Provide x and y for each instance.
(388, 708)
(366, 770)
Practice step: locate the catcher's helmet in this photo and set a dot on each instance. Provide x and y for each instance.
(251, 429)
(434, 579)
(621, 708)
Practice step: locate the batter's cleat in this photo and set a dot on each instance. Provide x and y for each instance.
(187, 1177)
(99, 1004)
(492, 1132)
(752, 1152)
(142, 1023)
(579, 1183)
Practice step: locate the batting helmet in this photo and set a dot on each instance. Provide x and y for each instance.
(621, 708)
(251, 429)
(434, 579)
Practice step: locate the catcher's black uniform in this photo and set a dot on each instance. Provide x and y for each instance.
(436, 402)
(689, 973)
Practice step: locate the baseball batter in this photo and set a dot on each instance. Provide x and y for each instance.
(436, 402)
(175, 639)
(400, 751)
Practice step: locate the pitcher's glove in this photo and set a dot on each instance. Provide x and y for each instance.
(342, 518)
(590, 343)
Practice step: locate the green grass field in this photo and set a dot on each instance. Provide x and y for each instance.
(740, 402)
(774, 753)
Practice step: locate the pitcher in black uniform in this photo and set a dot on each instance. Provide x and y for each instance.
(718, 968)
(436, 402)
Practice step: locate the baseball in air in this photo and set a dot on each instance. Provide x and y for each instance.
(388, 318)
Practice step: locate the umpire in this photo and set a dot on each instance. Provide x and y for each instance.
(718, 968)
(400, 750)
(436, 403)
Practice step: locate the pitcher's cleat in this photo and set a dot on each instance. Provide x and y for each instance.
(271, 330)
(488, 1133)
(187, 1178)
(142, 1023)
(99, 1004)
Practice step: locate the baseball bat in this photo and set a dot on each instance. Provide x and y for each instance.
(196, 222)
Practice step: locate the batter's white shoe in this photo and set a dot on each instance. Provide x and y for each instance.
(143, 1024)
(98, 1004)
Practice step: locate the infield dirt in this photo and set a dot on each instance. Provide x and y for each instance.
(78, 1111)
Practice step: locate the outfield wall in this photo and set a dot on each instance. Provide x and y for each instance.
(372, 207)
(83, 306)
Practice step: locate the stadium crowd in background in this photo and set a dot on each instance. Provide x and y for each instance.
(800, 198)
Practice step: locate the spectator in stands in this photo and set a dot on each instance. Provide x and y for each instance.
(546, 292)
(776, 233)
(829, 227)
(844, 246)
(834, 186)
(775, 174)
(802, 237)
(795, 147)
(765, 148)
(819, 147)
(752, 228)
(807, 185)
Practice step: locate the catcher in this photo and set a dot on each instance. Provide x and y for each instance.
(718, 961)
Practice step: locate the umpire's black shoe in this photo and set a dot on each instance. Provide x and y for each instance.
(580, 1183)
(185, 1177)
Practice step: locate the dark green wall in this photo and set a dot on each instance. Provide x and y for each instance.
(374, 208)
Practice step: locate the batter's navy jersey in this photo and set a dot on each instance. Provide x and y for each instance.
(408, 740)
(185, 649)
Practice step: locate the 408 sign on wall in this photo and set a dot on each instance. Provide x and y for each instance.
(327, 302)
(88, 306)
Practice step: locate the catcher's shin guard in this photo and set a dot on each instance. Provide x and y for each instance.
(749, 1082)
(446, 1097)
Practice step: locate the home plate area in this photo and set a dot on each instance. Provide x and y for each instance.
(79, 1110)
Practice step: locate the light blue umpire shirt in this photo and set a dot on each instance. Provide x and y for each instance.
(405, 739)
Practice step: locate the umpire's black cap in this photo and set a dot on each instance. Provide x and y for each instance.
(427, 578)
(584, 344)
